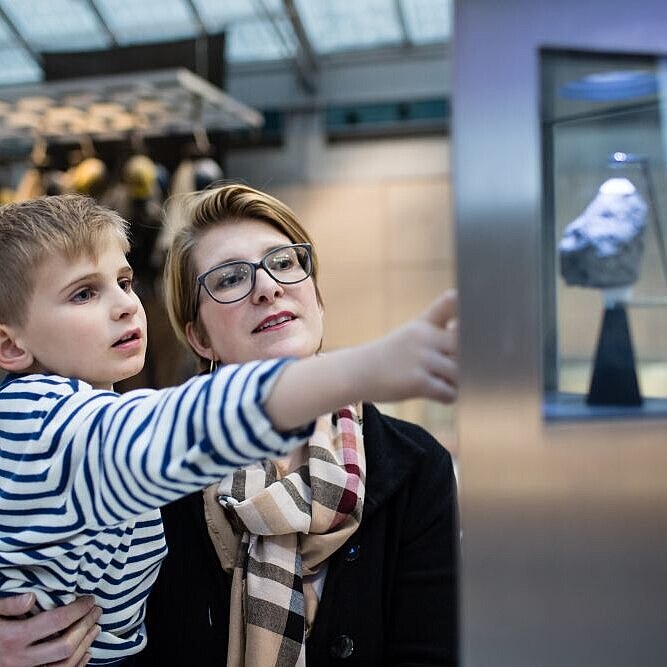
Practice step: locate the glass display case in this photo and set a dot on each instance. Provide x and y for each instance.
(604, 262)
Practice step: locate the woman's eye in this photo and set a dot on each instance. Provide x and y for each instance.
(230, 279)
(83, 295)
(282, 263)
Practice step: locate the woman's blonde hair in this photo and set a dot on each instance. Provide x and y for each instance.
(198, 212)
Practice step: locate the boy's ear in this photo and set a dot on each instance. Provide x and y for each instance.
(199, 341)
(13, 357)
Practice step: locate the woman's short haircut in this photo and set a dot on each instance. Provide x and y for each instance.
(198, 212)
(31, 230)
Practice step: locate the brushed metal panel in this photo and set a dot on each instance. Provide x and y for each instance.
(564, 540)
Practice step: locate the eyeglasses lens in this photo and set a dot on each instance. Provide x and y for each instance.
(288, 265)
(229, 282)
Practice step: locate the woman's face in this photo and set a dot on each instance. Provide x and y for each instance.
(274, 320)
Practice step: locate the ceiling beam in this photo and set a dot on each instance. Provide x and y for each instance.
(197, 17)
(201, 43)
(305, 61)
(16, 33)
(400, 14)
(105, 26)
(304, 43)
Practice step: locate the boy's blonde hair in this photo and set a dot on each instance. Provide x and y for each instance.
(31, 230)
(201, 211)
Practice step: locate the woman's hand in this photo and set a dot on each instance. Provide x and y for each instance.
(60, 637)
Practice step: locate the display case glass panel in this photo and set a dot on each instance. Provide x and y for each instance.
(604, 257)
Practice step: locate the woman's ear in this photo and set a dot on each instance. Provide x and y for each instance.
(13, 356)
(321, 307)
(199, 341)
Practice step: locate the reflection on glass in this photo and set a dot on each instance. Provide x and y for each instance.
(604, 253)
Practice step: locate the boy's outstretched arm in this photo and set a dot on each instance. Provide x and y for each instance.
(418, 359)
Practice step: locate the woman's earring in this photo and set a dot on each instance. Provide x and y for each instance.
(213, 366)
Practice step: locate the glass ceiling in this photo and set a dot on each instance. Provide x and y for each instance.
(258, 30)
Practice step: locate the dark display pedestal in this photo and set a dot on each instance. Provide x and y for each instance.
(614, 380)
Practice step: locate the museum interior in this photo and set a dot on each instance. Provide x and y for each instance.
(515, 151)
(339, 109)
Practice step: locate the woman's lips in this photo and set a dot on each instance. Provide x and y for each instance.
(274, 322)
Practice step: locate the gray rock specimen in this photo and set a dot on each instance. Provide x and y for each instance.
(603, 247)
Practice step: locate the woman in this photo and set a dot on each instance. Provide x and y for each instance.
(346, 550)
(380, 585)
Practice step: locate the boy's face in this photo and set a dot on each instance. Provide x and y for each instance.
(84, 320)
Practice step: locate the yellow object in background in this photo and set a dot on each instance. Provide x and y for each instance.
(89, 175)
(6, 195)
(140, 174)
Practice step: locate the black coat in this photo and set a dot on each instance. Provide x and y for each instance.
(390, 595)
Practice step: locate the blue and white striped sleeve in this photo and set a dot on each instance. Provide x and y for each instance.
(115, 457)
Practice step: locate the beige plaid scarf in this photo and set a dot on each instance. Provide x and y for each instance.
(289, 525)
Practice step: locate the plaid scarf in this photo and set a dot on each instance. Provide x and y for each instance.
(289, 527)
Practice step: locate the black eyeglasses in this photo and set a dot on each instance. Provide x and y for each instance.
(233, 281)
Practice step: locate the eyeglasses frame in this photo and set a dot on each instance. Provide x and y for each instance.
(255, 266)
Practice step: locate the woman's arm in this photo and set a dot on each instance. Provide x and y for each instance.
(58, 638)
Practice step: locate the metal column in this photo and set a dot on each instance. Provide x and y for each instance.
(564, 527)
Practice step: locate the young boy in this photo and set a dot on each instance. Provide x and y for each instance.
(83, 469)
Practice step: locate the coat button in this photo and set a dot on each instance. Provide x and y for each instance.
(352, 552)
(342, 647)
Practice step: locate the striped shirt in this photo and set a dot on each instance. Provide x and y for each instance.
(82, 472)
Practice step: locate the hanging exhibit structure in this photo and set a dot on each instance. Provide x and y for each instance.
(129, 139)
(560, 138)
(108, 107)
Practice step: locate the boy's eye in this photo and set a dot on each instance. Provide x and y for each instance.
(126, 284)
(83, 295)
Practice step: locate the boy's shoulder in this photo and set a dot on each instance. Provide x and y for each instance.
(41, 385)
(28, 402)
